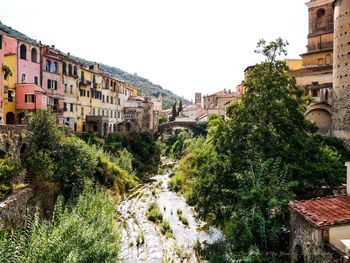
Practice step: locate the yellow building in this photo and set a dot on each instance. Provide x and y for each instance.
(294, 64)
(10, 60)
(84, 105)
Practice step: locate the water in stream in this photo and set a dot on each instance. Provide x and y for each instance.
(155, 247)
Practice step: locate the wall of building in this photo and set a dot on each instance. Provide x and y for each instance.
(341, 72)
(27, 67)
(336, 234)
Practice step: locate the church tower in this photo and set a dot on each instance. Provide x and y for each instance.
(320, 37)
(341, 71)
(198, 99)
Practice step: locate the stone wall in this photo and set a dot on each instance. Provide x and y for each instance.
(12, 138)
(13, 208)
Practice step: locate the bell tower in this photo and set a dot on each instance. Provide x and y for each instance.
(198, 99)
(320, 36)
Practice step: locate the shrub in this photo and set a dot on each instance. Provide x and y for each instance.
(153, 213)
(9, 169)
(181, 216)
(165, 229)
(84, 232)
(115, 142)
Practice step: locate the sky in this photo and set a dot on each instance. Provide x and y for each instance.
(185, 46)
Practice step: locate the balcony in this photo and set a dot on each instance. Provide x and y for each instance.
(56, 108)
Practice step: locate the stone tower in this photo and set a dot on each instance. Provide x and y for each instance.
(198, 99)
(341, 71)
(320, 37)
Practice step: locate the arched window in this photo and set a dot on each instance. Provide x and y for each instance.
(23, 51)
(64, 68)
(54, 67)
(47, 65)
(321, 12)
(34, 55)
(75, 71)
(107, 84)
(70, 70)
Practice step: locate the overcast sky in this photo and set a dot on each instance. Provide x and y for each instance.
(186, 46)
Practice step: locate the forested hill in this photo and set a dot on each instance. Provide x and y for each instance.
(145, 86)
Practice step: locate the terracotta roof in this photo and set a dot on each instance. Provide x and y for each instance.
(326, 211)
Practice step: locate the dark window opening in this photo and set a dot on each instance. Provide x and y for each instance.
(23, 51)
(34, 55)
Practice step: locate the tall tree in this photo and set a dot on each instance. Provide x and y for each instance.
(174, 112)
(180, 108)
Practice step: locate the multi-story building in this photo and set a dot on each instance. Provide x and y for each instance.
(29, 94)
(215, 103)
(70, 82)
(316, 75)
(52, 80)
(10, 61)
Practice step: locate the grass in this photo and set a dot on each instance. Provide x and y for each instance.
(153, 213)
(140, 239)
(181, 216)
(166, 230)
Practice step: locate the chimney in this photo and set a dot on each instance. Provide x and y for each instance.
(53, 46)
(68, 54)
(347, 164)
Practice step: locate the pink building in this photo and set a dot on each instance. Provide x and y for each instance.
(52, 80)
(29, 94)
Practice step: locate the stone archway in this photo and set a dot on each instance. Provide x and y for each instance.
(10, 118)
(298, 256)
(322, 118)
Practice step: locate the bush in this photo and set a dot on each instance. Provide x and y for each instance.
(165, 229)
(9, 169)
(125, 159)
(115, 142)
(153, 213)
(84, 232)
(181, 216)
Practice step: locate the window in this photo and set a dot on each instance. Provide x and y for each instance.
(52, 84)
(93, 78)
(34, 55)
(29, 98)
(107, 99)
(81, 92)
(0, 41)
(118, 101)
(47, 65)
(54, 67)
(36, 80)
(93, 111)
(49, 83)
(82, 76)
(71, 89)
(111, 100)
(103, 98)
(82, 111)
(75, 71)
(88, 93)
(64, 106)
(64, 68)
(71, 107)
(23, 78)
(70, 70)
(65, 88)
(23, 51)
(321, 12)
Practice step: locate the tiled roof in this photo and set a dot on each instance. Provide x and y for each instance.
(326, 211)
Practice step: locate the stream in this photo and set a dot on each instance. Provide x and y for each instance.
(142, 240)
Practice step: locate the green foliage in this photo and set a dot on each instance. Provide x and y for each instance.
(180, 108)
(92, 139)
(165, 229)
(84, 232)
(9, 169)
(44, 134)
(145, 152)
(182, 217)
(162, 119)
(124, 160)
(115, 142)
(177, 148)
(75, 161)
(173, 113)
(153, 213)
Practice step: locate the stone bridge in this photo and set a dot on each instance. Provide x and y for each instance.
(168, 126)
(12, 140)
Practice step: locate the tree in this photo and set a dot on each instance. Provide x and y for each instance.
(174, 112)
(180, 108)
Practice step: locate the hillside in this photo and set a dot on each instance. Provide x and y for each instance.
(145, 86)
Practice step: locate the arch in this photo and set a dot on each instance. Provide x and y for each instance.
(70, 69)
(23, 51)
(48, 65)
(320, 12)
(10, 118)
(34, 55)
(64, 68)
(328, 59)
(322, 118)
(54, 67)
